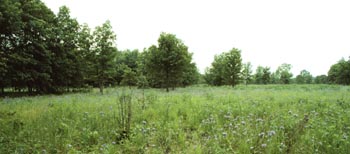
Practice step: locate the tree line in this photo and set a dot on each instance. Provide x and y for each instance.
(43, 52)
(228, 69)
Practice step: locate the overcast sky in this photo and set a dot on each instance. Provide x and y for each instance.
(309, 34)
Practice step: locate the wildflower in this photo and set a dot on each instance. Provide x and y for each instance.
(243, 122)
(69, 145)
(251, 148)
(259, 120)
(271, 133)
(263, 145)
(289, 112)
(345, 136)
(262, 134)
(144, 122)
(224, 134)
(113, 142)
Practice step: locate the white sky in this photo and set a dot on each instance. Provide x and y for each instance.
(309, 34)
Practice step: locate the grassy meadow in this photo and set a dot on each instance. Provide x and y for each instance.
(198, 119)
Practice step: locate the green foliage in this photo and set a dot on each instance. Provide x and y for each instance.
(321, 79)
(214, 75)
(126, 60)
(244, 119)
(66, 63)
(129, 77)
(167, 63)
(225, 69)
(339, 73)
(233, 63)
(262, 75)
(283, 73)
(104, 53)
(247, 73)
(304, 77)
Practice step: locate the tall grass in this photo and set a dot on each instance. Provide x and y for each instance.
(244, 119)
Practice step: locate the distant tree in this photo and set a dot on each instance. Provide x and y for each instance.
(104, 52)
(321, 79)
(275, 78)
(285, 73)
(266, 75)
(233, 67)
(86, 54)
(262, 75)
(339, 73)
(214, 75)
(247, 73)
(129, 77)
(258, 76)
(191, 75)
(167, 62)
(124, 59)
(304, 77)
(225, 69)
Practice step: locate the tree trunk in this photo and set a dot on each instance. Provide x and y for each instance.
(101, 88)
(167, 81)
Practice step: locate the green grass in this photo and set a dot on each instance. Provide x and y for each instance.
(199, 119)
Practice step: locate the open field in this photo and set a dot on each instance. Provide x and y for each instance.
(252, 119)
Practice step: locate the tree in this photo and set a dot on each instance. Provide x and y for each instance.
(167, 62)
(191, 75)
(262, 75)
(275, 78)
(304, 77)
(86, 54)
(31, 60)
(247, 73)
(285, 74)
(321, 79)
(67, 62)
(233, 63)
(225, 69)
(339, 73)
(11, 24)
(129, 77)
(104, 53)
(215, 74)
(266, 75)
(124, 59)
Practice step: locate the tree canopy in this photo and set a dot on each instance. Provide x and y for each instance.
(226, 69)
(43, 52)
